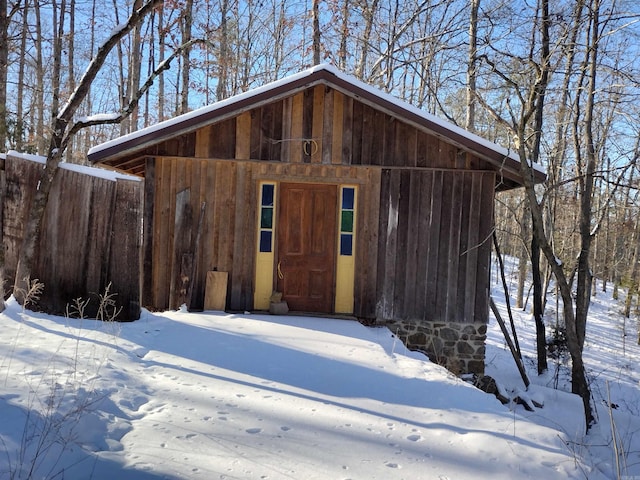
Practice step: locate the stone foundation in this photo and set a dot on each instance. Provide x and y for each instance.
(460, 347)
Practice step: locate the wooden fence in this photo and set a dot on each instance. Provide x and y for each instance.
(91, 235)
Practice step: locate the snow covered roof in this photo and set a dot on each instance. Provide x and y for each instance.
(501, 157)
(91, 171)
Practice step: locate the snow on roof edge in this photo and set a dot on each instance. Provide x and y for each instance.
(111, 175)
(204, 110)
(300, 75)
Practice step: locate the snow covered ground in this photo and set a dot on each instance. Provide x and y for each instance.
(212, 395)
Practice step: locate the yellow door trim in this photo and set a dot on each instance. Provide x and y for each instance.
(345, 264)
(265, 245)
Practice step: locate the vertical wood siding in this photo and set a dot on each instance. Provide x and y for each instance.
(90, 237)
(343, 131)
(433, 247)
(228, 234)
(426, 207)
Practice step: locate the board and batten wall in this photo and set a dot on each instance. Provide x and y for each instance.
(90, 238)
(424, 220)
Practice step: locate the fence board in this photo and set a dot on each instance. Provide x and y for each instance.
(90, 236)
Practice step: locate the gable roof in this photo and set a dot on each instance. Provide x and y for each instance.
(127, 145)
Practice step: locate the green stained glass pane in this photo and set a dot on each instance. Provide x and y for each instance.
(346, 225)
(266, 218)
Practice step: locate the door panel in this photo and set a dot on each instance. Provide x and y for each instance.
(306, 246)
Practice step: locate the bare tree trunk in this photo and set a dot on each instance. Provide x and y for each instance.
(92, 43)
(528, 148)
(135, 65)
(344, 35)
(223, 58)
(40, 138)
(70, 48)
(58, 29)
(523, 258)
(316, 32)
(187, 21)
(369, 13)
(161, 47)
(19, 137)
(4, 64)
(538, 309)
(470, 123)
(633, 270)
(583, 288)
(61, 132)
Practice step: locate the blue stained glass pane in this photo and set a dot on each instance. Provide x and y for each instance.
(267, 195)
(265, 240)
(346, 244)
(348, 195)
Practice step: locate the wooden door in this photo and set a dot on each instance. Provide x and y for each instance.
(307, 246)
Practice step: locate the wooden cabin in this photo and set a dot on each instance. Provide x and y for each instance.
(340, 197)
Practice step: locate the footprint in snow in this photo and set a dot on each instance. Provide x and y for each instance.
(253, 431)
(135, 403)
(414, 438)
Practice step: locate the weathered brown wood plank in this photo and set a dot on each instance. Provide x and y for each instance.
(222, 139)
(162, 234)
(377, 138)
(287, 119)
(181, 241)
(240, 231)
(366, 279)
(414, 279)
(243, 136)
(403, 300)
(328, 127)
(389, 134)
(474, 213)
(357, 127)
(337, 128)
(125, 253)
(424, 269)
(347, 131)
(297, 132)
(317, 132)
(444, 255)
(266, 132)
(148, 233)
(434, 249)
(256, 134)
(484, 252)
(203, 137)
(454, 248)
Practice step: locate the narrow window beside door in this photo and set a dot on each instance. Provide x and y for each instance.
(263, 287)
(347, 209)
(345, 267)
(266, 218)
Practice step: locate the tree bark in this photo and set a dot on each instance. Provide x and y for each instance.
(223, 58)
(538, 310)
(316, 32)
(60, 136)
(40, 138)
(470, 123)
(4, 64)
(20, 130)
(187, 22)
